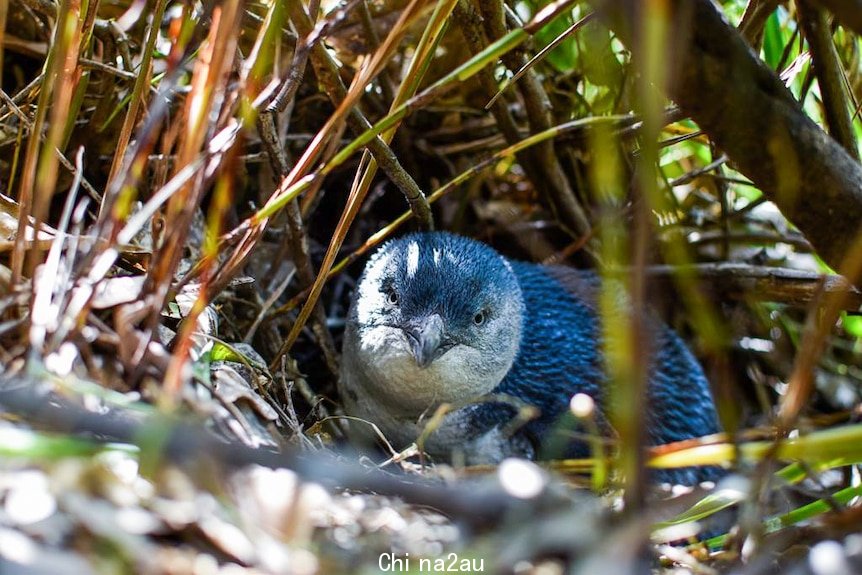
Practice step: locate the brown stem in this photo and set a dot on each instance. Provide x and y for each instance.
(541, 165)
(830, 75)
(296, 239)
(538, 107)
(327, 74)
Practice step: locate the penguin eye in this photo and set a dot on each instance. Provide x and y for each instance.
(479, 318)
(392, 297)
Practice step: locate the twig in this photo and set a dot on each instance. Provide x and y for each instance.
(296, 237)
(540, 163)
(830, 75)
(783, 285)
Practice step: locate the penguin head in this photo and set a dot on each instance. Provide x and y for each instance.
(436, 318)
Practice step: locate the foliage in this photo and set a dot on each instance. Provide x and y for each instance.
(188, 193)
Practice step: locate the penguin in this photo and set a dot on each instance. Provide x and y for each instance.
(440, 318)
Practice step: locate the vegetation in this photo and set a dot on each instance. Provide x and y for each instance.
(188, 194)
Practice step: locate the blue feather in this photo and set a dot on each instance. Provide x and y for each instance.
(559, 353)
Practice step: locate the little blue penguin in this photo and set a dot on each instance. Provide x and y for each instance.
(439, 318)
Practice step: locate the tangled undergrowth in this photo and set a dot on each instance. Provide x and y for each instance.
(188, 194)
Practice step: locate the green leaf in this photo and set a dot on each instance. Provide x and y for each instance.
(222, 352)
(720, 499)
(773, 41)
(852, 324)
(565, 56)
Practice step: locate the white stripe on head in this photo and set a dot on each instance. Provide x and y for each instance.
(412, 259)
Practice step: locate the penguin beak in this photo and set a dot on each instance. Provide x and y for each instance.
(426, 338)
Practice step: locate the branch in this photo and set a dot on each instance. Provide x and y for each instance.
(848, 12)
(746, 109)
(780, 285)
